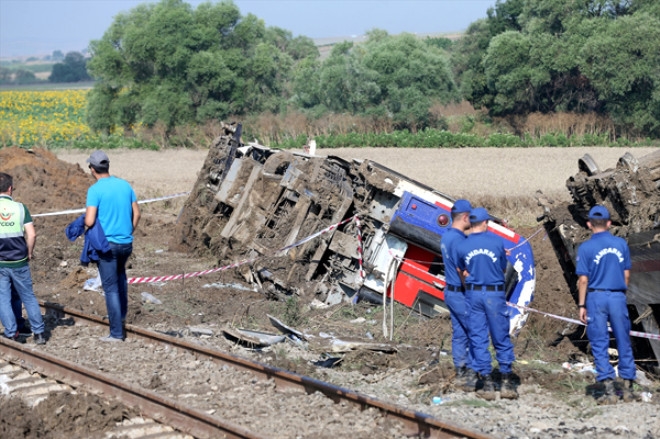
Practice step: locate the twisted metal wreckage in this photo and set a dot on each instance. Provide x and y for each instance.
(251, 201)
(631, 192)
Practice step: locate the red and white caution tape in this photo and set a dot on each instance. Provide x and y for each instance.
(578, 322)
(151, 279)
(150, 200)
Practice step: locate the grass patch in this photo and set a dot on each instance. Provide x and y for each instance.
(293, 315)
(472, 402)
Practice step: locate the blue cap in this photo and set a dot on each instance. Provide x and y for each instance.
(479, 214)
(599, 212)
(461, 206)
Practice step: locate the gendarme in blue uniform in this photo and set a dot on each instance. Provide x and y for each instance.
(603, 259)
(482, 254)
(455, 299)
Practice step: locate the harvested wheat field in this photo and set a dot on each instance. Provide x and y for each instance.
(553, 398)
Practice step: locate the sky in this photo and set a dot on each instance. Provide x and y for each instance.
(39, 27)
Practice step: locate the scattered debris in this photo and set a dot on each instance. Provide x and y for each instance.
(148, 298)
(337, 345)
(194, 330)
(328, 362)
(286, 329)
(93, 284)
(579, 367)
(233, 285)
(252, 339)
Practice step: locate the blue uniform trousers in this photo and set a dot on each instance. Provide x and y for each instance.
(460, 343)
(489, 314)
(604, 306)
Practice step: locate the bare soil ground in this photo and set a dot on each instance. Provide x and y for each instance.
(503, 180)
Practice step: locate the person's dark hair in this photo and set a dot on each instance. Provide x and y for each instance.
(598, 223)
(5, 182)
(100, 169)
(456, 215)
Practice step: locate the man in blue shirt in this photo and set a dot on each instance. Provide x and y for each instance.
(113, 203)
(603, 267)
(483, 259)
(455, 295)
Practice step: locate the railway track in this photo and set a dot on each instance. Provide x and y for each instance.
(208, 409)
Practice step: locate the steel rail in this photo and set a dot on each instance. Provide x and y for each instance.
(155, 406)
(415, 423)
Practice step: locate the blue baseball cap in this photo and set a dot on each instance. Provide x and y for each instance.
(479, 214)
(461, 206)
(599, 212)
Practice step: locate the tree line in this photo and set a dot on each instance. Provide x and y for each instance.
(71, 67)
(171, 64)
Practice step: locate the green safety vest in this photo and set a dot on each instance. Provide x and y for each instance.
(13, 248)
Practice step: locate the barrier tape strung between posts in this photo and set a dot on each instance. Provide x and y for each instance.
(578, 322)
(150, 200)
(151, 279)
(524, 241)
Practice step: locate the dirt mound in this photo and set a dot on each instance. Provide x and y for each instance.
(46, 184)
(79, 416)
(43, 182)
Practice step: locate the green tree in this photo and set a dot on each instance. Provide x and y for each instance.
(5, 75)
(563, 55)
(167, 62)
(72, 69)
(400, 76)
(23, 76)
(622, 61)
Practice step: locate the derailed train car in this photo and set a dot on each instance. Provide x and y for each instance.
(631, 192)
(255, 203)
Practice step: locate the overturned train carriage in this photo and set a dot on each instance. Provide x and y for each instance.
(631, 192)
(260, 204)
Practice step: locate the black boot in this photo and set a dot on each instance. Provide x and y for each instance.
(609, 395)
(627, 391)
(508, 389)
(460, 375)
(487, 389)
(471, 381)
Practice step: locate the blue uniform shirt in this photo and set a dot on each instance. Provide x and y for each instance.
(603, 259)
(451, 239)
(482, 255)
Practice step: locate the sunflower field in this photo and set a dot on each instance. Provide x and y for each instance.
(47, 118)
